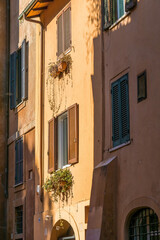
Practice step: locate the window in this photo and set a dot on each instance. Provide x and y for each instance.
(19, 161)
(63, 139)
(144, 225)
(18, 75)
(64, 31)
(19, 219)
(120, 111)
(115, 9)
(142, 87)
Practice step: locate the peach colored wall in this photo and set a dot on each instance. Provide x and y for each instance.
(76, 88)
(132, 46)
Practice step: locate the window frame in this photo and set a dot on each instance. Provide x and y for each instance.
(109, 17)
(140, 99)
(135, 224)
(19, 75)
(54, 145)
(122, 125)
(61, 13)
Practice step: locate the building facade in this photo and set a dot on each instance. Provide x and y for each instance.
(21, 139)
(130, 161)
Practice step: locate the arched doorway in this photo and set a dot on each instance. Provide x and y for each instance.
(62, 230)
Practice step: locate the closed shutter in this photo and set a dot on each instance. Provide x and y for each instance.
(52, 161)
(18, 77)
(120, 111)
(129, 4)
(13, 58)
(124, 109)
(114, 10)
(73, 134)
(107, 13)
(60, 35)
(121, 8)
(67, 28)
(19, 161)
(116, 113)
(24, 70)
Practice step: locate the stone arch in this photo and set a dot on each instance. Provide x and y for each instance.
(69, 225)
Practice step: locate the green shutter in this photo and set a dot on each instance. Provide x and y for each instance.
(120, 111)
(60, 35)
(18, 77)
(124, 108)
(121, 8)
(24, 70)
(107, 13)
(116, 113)
(13, 59)
(67, 28)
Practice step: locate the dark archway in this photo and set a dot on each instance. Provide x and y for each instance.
(62, 230)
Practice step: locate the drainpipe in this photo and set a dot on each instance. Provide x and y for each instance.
(7, 90)
(41, 99)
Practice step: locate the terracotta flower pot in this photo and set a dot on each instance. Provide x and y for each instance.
(62, 66)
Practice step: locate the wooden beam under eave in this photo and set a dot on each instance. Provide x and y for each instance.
(39, 8)
(34, 16)
(44, 1)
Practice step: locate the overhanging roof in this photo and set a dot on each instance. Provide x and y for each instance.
(35, 8)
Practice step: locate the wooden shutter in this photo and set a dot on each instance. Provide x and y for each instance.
(52, 161)
(107, 13)
(24, 69)
(121, 8)
(115, 113)
(129, 4)
(73, 134)
(13, 59)
(60, 35)
(120, 111)
(124, 108)
(67, 28)
(18, 77)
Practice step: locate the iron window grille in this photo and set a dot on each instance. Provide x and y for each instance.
(19, 219)
(144, 225)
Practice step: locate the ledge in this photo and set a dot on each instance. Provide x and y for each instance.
(119, 146)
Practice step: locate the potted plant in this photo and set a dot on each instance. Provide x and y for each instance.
(59, 184)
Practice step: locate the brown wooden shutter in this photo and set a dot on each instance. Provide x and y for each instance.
(73, 134)
(52, 145)
(59, 35)
(67, 28)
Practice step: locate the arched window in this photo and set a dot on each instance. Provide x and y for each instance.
(144, 225)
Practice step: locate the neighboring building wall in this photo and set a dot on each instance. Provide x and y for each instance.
(3, 114)
(132, 46)
(22, 125)
(75, 87)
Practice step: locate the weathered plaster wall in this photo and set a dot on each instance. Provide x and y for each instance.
(132, 46)
(74, 88)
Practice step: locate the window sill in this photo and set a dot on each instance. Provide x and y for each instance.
(117, 22)
(64, 53)
(119, 146)
(19, 187)
(20, 106)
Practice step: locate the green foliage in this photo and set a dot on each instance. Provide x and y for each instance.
(59, 184)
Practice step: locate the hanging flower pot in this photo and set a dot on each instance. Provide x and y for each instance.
(53, 70)
(62, 66)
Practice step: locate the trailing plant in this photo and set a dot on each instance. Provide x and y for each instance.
(53, 67)
(59, 184)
